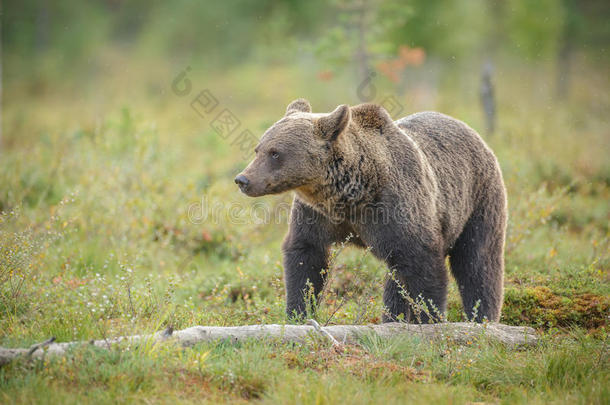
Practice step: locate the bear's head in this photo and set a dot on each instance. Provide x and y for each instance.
(295, 152)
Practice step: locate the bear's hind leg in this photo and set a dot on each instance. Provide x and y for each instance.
(477, 262)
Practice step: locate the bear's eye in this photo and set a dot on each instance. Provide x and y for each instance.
(274, 155)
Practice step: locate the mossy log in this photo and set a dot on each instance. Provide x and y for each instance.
(458, 332)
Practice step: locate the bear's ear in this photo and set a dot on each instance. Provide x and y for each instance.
(331, 125)
(298, 105)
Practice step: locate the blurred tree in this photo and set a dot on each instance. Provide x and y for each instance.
(566, 46)
(362, 34)
(492, 43)
(534, 27)
(586, 24)
(447, 29)
(65, 32)
(496, 35)
(488, 101)
(42, 26)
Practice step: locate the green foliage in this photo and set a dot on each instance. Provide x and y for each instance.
(447, 29)
(69, 33)
(534, 27)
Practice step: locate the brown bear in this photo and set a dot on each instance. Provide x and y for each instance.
(415, 191)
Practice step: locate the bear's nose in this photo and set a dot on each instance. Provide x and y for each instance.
(242, 181)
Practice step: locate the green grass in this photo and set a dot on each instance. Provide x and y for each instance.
(97, 241)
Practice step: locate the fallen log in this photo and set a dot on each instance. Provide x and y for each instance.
(458, 332)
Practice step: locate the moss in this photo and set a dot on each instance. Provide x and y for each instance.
(541, 306)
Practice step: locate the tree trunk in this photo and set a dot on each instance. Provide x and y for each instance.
(488, 101)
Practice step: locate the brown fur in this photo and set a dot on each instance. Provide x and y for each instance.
(415, 191)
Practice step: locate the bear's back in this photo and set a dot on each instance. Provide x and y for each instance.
(464, 167)
(450, 146)
(433, 130)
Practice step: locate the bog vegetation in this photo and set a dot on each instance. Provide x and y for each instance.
(120, 215)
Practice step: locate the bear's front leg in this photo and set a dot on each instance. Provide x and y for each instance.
(306, 253)
(415, 292)
(416, 286)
